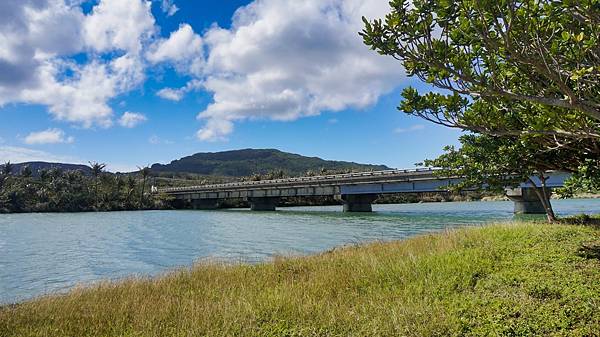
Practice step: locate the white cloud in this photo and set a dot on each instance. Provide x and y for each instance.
(21, 154)
(182, 44)
(416, 127)
(283, 60)
(183, 48)
(32, 31)
(119, 25)
(168, 7)
(49, 136)
(42, 34)
(131, 119)
(215, 130)
(84, 98)
(171, 94)
(178, 93)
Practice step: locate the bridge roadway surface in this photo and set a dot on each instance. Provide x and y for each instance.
(356, 190)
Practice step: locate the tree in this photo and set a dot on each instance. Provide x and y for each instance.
(585, 179)
(508, 69)
(131, 184)
(145, 173)
(5, 173)
(539, 52)
(517, 71)
(43, 174)
(26, 172)
(7, 168)
(97, 169)
(496, 163)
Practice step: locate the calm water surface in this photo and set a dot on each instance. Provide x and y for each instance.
(43, 253)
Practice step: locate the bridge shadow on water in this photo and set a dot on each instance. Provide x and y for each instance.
(408, 214)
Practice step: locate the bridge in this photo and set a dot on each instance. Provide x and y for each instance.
(357, 191)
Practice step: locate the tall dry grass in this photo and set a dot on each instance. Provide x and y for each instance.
(519, 280)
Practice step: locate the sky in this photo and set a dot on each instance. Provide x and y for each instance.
(135, 82)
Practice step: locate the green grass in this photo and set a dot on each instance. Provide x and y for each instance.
(501, 280)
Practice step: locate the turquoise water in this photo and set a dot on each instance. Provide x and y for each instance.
(45, 253)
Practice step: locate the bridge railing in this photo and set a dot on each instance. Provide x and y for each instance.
(315, 179)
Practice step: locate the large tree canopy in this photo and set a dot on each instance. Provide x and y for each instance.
(541, 52)
(526, 74)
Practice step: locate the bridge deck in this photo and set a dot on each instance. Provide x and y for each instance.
(357, 190)
(377, 177)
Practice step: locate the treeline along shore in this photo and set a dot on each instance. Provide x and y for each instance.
(90, 188)
(58, 190)
(80, 188)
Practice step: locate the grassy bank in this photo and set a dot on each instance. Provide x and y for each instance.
(508, 280)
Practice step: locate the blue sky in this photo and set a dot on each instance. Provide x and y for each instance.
(134, 82)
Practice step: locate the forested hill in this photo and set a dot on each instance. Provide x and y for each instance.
(239, 163)
(37, 166)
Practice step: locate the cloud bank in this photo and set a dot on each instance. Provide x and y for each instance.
(280, 60)
(39, 38)
(283, 60)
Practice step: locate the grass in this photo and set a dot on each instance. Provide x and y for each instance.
(502, 280)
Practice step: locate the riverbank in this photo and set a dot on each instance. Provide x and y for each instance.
(516, 279)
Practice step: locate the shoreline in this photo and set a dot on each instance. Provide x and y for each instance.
(589, 196)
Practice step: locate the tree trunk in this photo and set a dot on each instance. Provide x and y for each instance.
(546, 194)
(142, 196)
(542, 193)
(96, 192)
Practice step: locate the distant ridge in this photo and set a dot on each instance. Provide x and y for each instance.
(239, 163)
(36, 166)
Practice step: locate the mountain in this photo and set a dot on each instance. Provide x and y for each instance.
(36, 166)
(239, 163)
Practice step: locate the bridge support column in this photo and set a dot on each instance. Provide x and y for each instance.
(205, 204)
(526, 200)
(358, 202)
(263, 203)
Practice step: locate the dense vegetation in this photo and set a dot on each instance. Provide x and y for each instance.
(56, 190)
(503, 280)
(247, 162)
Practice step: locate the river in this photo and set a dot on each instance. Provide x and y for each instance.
(46, 253)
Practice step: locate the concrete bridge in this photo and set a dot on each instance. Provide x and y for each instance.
(356, 190)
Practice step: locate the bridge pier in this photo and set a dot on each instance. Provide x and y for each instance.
(263, 203)
(526, 200)
(205, 204)
(358, 202)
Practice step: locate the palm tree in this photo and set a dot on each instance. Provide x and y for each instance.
(130, 190)
(44, 173)
(97, 170)
(26, 172)
(7, 168)
(144, 172)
